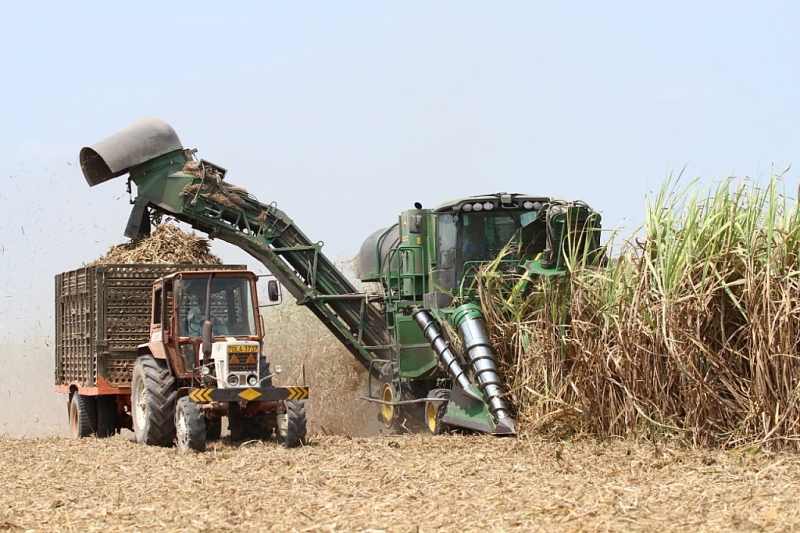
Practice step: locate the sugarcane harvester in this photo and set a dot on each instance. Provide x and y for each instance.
(425, 265)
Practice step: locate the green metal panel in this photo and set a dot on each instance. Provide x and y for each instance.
(417, 358)
(161, 180)
(463, 411)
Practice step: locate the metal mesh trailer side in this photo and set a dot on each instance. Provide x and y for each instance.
(102, 315)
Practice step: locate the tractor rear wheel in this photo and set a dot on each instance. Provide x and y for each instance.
(435, 409)
(82, 415)
(153, 395)
(106, 416)
(291, 431)
(190, 426)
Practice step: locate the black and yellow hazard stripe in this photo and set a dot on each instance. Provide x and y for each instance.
(250, 394)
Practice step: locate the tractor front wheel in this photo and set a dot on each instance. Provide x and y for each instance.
(291, 431)
(190, 426)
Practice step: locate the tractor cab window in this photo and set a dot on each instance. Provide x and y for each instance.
(232, 308)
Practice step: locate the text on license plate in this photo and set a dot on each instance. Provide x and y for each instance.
(248, 348)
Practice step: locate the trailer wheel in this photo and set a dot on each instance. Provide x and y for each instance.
(291, 431)
(153, 396)
(106, 416)
(213, 429)
(82, 415)
(190, 426)
(435, 410)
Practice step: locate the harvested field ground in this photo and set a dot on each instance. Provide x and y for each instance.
(407, 483)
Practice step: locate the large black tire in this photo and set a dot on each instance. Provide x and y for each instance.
(82, 415)
(153, 396)
(213, 429)
(435, 410)
(106, 416)
(190, 426)
(291, 431)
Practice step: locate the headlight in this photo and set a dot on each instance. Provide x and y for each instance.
(528, 205)
(252, 380)
(477, 207)
(205, 370)
(488, 206)
(233, 379)
(278, 369)
(467, 207)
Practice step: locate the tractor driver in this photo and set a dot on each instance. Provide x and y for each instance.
(197, 316)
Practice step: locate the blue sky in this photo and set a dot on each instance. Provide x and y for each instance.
(346, 113)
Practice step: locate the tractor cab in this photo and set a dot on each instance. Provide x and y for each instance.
(200, 317)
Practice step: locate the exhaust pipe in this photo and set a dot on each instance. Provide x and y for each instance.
(432, 332)
(472, 329)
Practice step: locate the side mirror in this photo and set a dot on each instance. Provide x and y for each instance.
(273, 291)
(274, 296)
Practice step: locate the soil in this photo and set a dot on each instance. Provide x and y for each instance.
(408, 483)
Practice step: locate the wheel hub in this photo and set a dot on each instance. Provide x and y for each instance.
(182, 430)
(387, 408)
(140, 404)
(430, 416)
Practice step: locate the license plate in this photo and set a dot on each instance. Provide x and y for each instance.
(243, 349)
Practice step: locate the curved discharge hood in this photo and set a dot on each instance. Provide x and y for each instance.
(137, 143)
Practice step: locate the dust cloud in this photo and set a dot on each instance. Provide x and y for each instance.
(30, 405)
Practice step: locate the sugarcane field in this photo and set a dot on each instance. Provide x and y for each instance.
(599, 447)
(410, 267)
